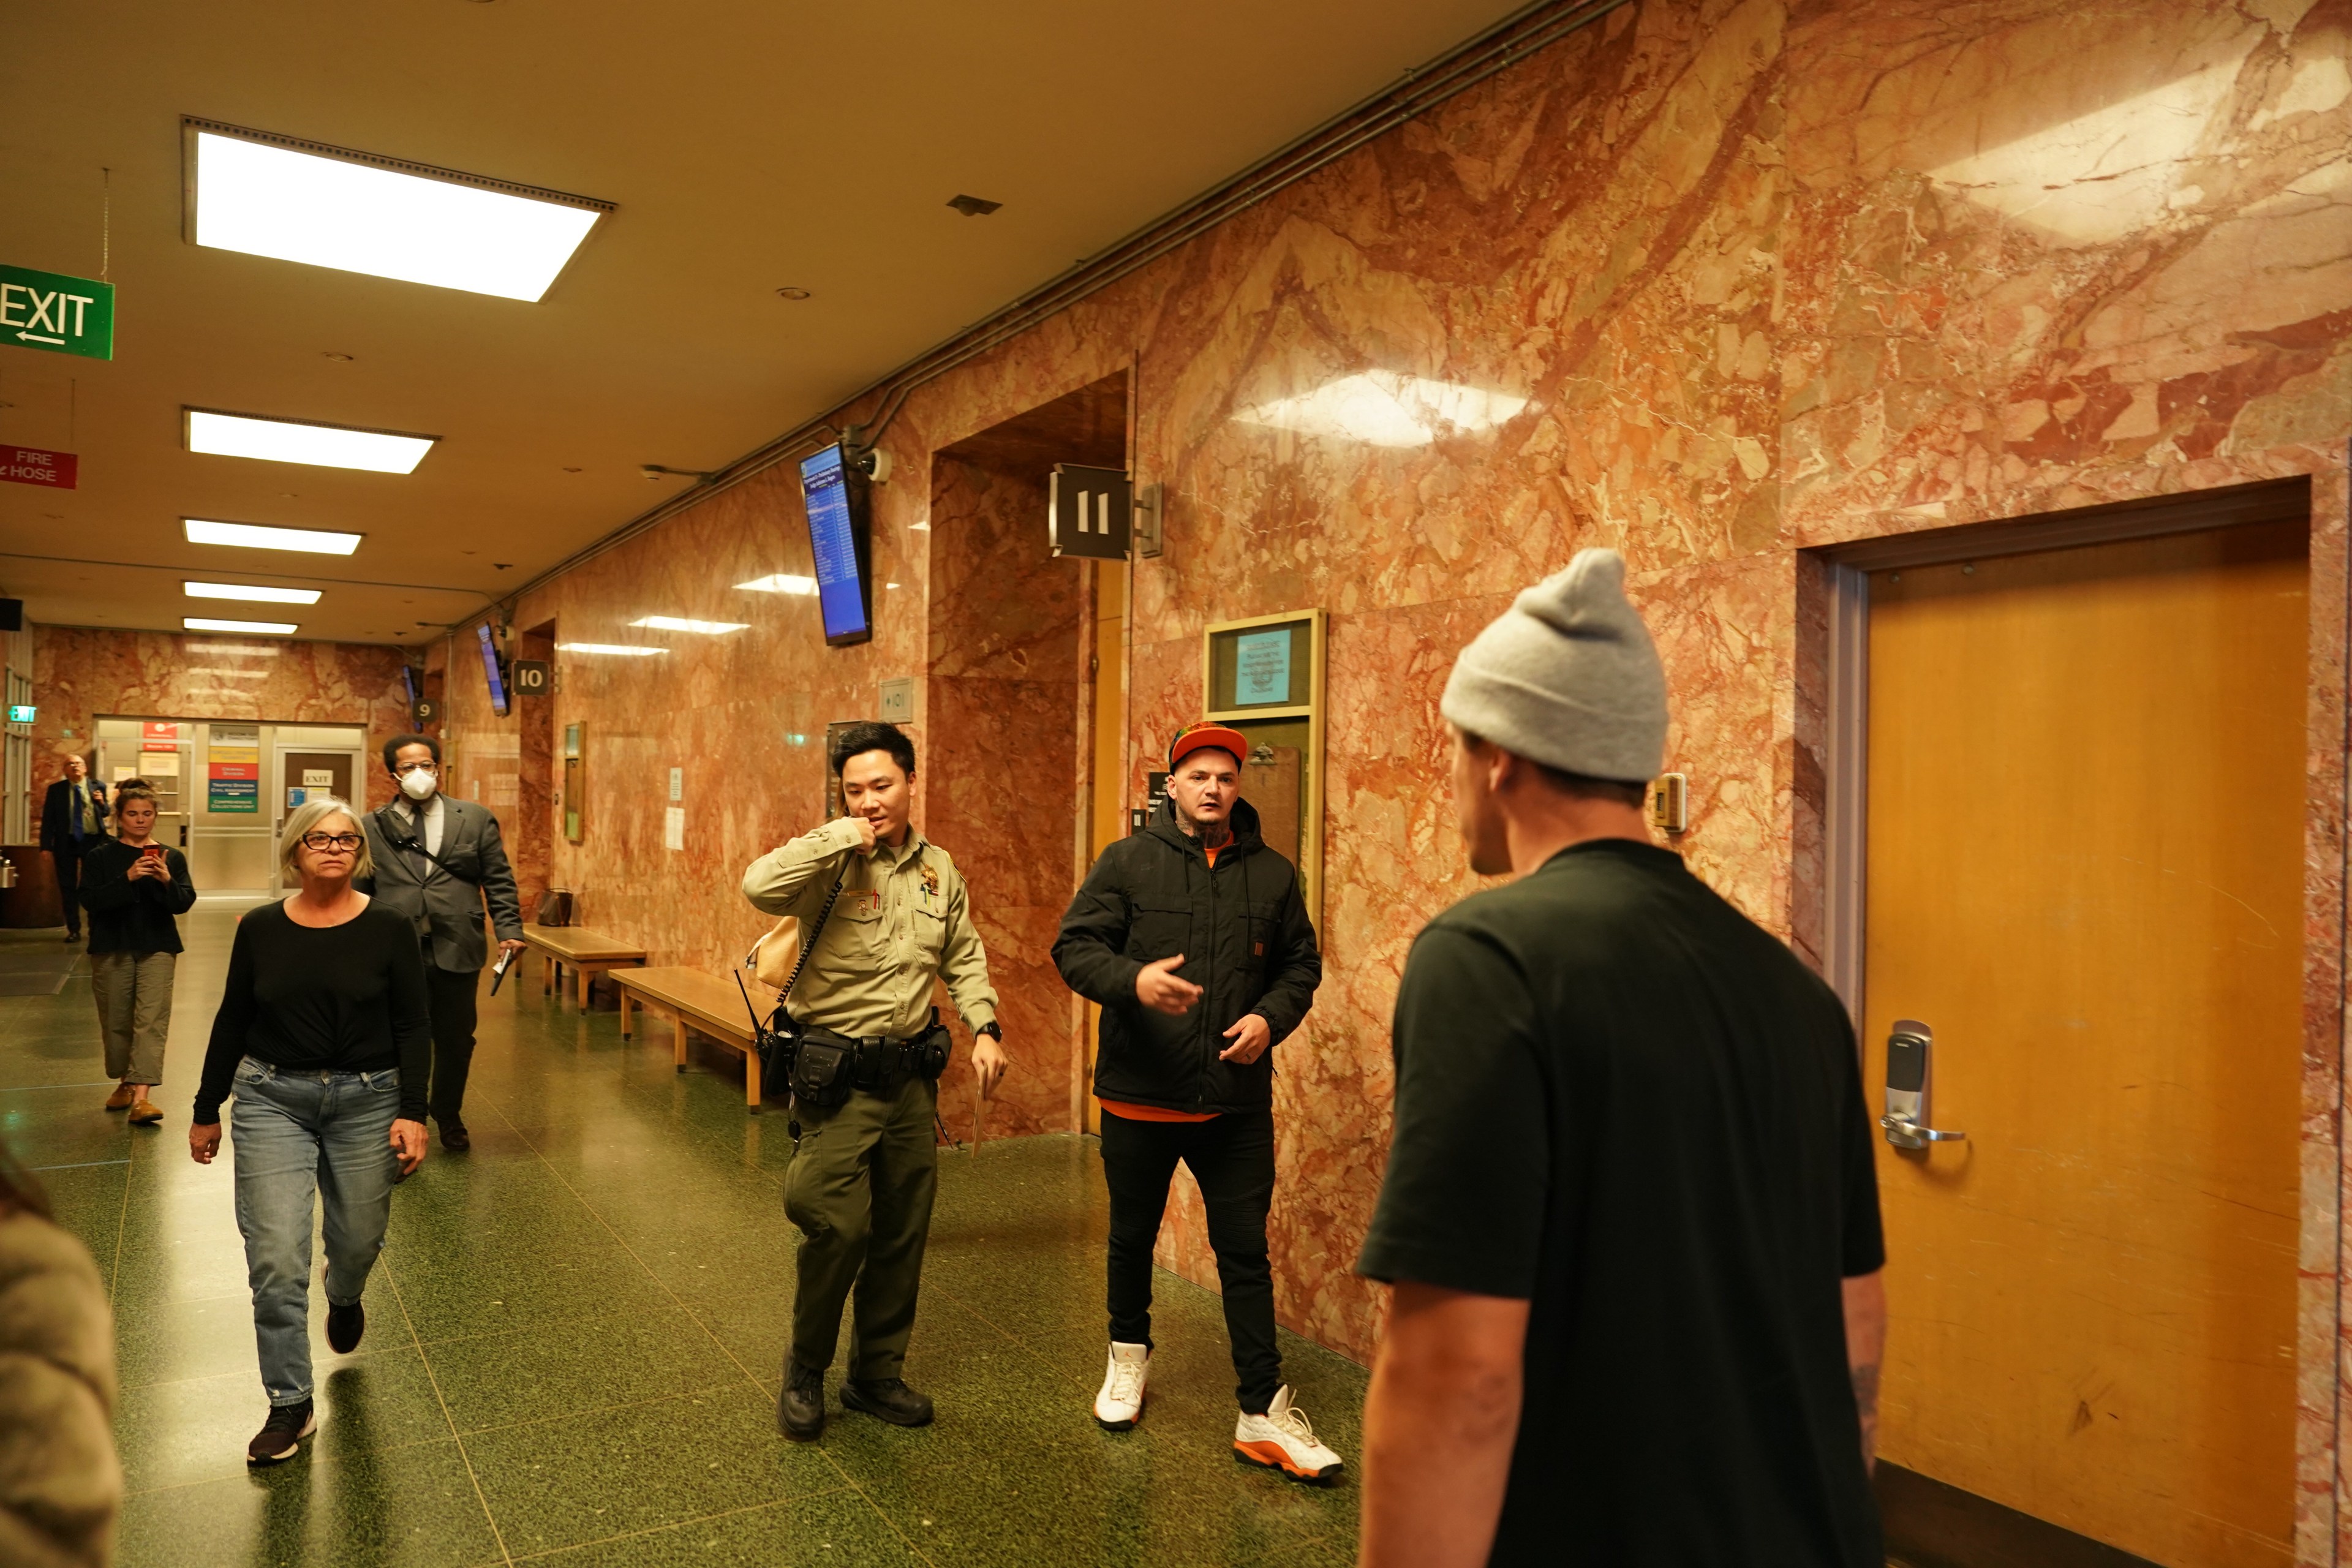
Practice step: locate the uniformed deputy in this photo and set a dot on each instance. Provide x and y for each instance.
(862, 1183)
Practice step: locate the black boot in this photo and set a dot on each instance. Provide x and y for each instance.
(800, 1414)
(889, 1399)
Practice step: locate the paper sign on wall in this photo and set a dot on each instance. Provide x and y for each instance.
(318, 778)
(233, 796)
(674, 827)
(159, 764)
(121, 772)
(678, 784)
(166, 733)
(1262, 669)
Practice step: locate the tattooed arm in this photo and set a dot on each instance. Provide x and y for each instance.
(1865, 1344)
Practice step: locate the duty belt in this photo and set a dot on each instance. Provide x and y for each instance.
(877, 1064)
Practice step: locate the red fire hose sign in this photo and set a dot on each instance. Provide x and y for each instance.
(32, 466)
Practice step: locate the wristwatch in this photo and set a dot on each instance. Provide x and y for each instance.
(992, 1031)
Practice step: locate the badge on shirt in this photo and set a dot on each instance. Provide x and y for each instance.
(930, 890)
(865, 906)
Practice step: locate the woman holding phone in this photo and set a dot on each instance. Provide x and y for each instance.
(323, 1038)
(134, 889)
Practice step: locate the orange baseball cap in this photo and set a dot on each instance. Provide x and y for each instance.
(1194, 737)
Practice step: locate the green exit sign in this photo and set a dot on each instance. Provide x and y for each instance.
(21, 712)
(56, 313)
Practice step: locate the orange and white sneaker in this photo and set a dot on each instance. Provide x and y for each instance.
(1281, 1439)
(1119, 1406)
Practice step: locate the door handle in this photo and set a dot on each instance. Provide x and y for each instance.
(1910, 1080)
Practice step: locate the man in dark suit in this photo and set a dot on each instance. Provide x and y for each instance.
(73, 818)
(440, 862)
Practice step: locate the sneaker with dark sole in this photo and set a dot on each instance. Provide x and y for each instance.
(889, 1399)
(800, 1409)
(345, 1325)
(280, 1437)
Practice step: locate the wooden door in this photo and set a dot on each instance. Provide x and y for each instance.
(2085, 819)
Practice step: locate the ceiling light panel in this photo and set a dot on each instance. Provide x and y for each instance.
(780, 582)
(629, 650)
(254, 592)
(301, 441)
(208, 623)
(679, 624)
(259, 536)
(326, 207)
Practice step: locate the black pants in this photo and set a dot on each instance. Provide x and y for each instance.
(449, 1000)
(1232, 1158)
(68, 865)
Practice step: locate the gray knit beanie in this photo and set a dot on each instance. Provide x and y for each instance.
(1568, 677)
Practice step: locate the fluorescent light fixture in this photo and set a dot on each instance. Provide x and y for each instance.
(305, 441)
(780, 582)
(678, 623)
(252, 591)
(1383, 408)
(629, 650)
(326, 207)
(260, 536)
(207, 624)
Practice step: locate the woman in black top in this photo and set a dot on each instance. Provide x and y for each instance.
(322, 1037)
(134, 889)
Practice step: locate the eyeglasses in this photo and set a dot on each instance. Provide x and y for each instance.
(332, 840)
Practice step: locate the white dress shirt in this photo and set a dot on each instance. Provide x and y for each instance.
(425, 821)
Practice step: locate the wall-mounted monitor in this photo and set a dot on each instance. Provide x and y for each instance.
(841, 538)
(493, 669)
(412, 681)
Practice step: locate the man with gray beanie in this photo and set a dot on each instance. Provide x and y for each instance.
(1631, 1215)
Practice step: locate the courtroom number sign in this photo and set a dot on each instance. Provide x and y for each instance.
(531, 679)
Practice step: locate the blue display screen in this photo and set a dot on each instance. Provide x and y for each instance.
(832, 540)
(490, 667)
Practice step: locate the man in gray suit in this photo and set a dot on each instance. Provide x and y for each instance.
(439, 861)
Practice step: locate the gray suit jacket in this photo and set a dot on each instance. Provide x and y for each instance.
(447, 908)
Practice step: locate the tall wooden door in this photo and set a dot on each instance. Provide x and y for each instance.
(2084, 842)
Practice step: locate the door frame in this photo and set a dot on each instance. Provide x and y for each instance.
(1844, 594)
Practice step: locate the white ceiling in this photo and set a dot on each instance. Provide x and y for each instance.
(749, 145)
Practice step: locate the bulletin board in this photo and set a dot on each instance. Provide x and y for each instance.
(1265, 678)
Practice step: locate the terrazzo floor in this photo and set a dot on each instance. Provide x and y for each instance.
(575, 1334)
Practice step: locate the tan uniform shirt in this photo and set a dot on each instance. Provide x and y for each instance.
(903, 919)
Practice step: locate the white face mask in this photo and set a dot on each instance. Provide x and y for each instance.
(417, 784)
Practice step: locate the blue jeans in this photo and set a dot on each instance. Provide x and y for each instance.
(297, 1134)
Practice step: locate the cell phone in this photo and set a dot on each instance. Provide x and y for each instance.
(152, 852)
(498, 970)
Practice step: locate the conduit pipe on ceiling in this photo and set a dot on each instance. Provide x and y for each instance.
(1526, 31)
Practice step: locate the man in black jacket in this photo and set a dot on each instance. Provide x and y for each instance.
(73, 818)
(1193, 938)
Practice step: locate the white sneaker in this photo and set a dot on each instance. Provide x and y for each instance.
(1119, 1406)
(1282, 1439)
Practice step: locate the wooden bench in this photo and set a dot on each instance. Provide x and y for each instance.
(585, 952)
(704, 1004)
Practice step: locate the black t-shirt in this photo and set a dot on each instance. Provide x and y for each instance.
(1620, 1101)
(346, 998)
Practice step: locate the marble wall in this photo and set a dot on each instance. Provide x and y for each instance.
(82, 672)
(1714, 281)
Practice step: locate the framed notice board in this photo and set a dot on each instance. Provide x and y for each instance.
(1265, 678)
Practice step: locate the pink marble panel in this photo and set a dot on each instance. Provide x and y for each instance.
(1714, 281)
(82, 672)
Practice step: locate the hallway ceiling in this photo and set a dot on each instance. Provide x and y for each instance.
(749, 147)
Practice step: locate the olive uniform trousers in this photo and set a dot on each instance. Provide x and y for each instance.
(860, 1189)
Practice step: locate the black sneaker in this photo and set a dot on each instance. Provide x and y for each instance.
(889, 1399)
(345, 1326)
(800, 1413)
(281, 1436)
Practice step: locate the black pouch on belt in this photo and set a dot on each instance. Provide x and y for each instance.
(927, 1052)
(821, 1068)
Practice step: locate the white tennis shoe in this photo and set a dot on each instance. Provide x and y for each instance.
(1282, 1439)
(1119, 1406)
